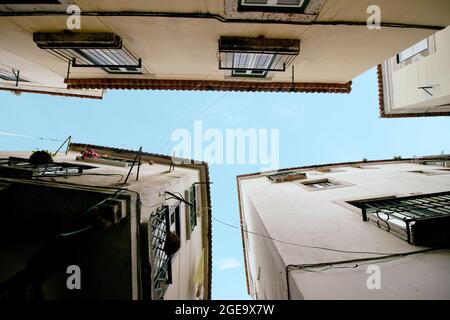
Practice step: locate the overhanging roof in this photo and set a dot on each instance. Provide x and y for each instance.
(381, 105)
(199, 85)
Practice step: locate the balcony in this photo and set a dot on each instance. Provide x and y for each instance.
(90, 50)
(256, 57)
(422, 220)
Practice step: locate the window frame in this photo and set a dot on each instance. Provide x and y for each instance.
(335, 184)
(249, 72)
(91, 50)
(163, 221)
(289, 176)
(397, 64)
(271, 7)
(22, 167)
(193, 207)
(415, 53)
(37, 2)
(281, 53)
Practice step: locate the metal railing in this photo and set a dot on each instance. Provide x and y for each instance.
(22, 167)
(160, 262)
(193, 207)
(416, 219)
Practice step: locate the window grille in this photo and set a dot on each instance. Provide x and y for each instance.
(286, 176)
(297, 6)
(193, 207)
(255, 57)
(95, 50)
(321, 184)
(161, 268)
(420, 220)
(14, 166)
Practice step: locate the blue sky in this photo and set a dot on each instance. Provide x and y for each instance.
(314, 129)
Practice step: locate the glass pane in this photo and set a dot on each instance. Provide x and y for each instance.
(412, 51)
(253, 2)
(252, 60)
(295, 3)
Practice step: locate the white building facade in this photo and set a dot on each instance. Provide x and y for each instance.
(368, 230)
(135, 231)
(226, 45)
(416, 81)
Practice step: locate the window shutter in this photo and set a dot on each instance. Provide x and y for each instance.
(188, 214)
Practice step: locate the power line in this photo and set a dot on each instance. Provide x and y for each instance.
(202, 111)
(331, 264)
(299, 244)
(3, 133)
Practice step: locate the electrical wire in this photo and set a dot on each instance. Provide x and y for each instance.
(331, 264)
(76, 231)
(299, 244)
(197, 115)
(218, 17)
(3, 133)
(70, 233)
(109, 188)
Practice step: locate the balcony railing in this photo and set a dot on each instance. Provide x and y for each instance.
(90, 50)
(255, 57)
(421, 220)
(161, 267)
(21, 167)
(193, 207)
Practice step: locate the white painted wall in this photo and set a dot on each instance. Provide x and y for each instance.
(154, 179)
(177, 48)
(291, 213)
(401, 83)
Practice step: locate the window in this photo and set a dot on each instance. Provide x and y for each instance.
(287, 176)
(321, 184)
(428, 172)
(164, 228)
(97, 50)
(192, 195)
(193, 207)
(274, 5)
(252, 64)
(422, 220)
(161, 269)
(329, 170)
(174, 213)
(30, 2)
(255, 57)
(412, 51)
(362, 166)
(437, 163)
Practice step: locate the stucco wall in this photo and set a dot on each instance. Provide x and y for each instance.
(186, 48)
(402, 82)
(291, 213)
(154, 180)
